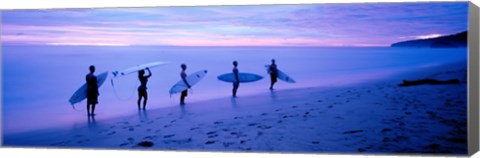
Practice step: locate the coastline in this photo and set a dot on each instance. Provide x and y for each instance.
(371, 117)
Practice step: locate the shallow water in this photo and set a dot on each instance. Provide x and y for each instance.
(39, 80)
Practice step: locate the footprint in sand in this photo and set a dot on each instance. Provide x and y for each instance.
(264, 127)
(259, 133)
(112, 133)
(227, 144)
(210, 142)
(252, 124)
(213, 136)
(218, 122)
(352, 131)
(179, 141)
(145, 144)
(131, 129)
(264, 114)
(169, 136)
(194, 128)
(212, 132)
(386, 130)
(233, 133)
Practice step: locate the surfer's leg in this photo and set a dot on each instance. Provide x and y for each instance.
(235, 87)
(139, 98)
(88, 108)
(145, 97)
(271, 81)
(182, 97)
(93, 109)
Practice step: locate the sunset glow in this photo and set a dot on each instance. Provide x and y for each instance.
(268, 25)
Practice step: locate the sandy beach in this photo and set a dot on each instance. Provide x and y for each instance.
(372, 117)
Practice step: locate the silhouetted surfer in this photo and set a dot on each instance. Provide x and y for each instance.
(183, 75)
(142, 89)
(272, 70)
(92, 91)
(236, 84)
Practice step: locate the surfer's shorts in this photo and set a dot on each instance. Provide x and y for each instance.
(273, 78)
(184, 93)
(142, 92)
(92, 97)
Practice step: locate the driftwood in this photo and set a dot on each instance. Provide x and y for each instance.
(428, 81)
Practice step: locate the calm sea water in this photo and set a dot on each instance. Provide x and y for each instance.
(39, 80)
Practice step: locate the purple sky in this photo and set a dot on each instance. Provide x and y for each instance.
(371, 24)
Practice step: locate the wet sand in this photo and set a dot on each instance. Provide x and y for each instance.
(373, 117)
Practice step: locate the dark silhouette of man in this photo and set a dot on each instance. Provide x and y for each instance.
(92, 91)
(142, 89)
(236, 84)
(183, 75)
(272, 70)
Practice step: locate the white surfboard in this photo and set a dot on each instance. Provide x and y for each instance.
(242, 77)
(281, 75)
(137, 68)
(81, 93)
(192, 79)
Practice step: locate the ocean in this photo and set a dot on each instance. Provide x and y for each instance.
(39, 80)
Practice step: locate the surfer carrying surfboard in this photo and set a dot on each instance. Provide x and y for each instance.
(272, 70)
(236, 84)
(183, 75)
(92, 91)
(142, 89)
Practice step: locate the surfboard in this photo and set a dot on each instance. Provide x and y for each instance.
(137, 68)
(281, 75)
(81, 93)
(242, 77)
(192, 79)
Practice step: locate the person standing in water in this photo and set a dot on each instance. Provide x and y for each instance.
(142, 89)
(92, 91)
(183, 75)
(272, 70)
(236, 84)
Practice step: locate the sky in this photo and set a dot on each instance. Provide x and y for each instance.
(368, 24)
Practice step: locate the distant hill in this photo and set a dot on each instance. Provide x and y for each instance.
(449, 41)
